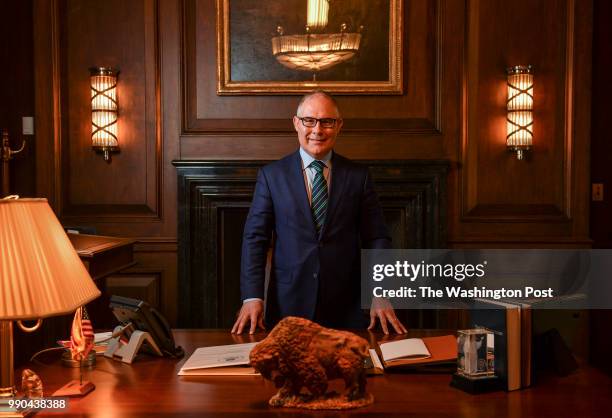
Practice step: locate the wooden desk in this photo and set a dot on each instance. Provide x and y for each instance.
(102, 255)
(150, 387)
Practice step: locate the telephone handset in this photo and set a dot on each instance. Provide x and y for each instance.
(145, 318)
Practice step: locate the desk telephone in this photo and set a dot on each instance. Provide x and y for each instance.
(144, 318)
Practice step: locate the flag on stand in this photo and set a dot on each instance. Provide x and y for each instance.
(81, 335)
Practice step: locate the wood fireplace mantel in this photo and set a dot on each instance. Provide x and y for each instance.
(213, 202)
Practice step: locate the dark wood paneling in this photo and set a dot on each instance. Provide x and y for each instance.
(152, 278)
(417, 111)
(510, 192)
(47, 104)
(601, 161)
(137, 286)
(126, 198)
(413, 197)
(214, 199)
(17, 91)
(83, 186)
(230, 226)
(209, 196)
(543, 198)
(158, 258)
(378, 127)
(140, 286)
(454, 58)
(601, 150)
(130, 185)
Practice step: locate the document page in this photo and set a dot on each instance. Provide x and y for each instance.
(408, 348)
(219, 356)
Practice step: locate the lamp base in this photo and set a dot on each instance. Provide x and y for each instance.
(8, 392)
(88, 363)
(7, 381)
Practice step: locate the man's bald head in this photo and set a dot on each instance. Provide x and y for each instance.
(318, 93)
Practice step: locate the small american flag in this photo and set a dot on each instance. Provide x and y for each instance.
(81, 335)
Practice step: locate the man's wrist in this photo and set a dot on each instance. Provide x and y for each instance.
(250, 300)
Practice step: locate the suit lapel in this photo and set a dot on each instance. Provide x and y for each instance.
(298, 188)
(338, 182)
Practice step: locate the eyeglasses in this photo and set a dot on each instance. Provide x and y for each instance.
(312, 122)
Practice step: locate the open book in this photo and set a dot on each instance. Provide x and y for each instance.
(419, 351)
(221, 360)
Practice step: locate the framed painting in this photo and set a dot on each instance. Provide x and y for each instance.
(294, 46)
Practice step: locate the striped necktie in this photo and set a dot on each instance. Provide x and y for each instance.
(318, 203)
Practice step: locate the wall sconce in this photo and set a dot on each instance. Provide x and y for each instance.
(519, 121)
(103, 81)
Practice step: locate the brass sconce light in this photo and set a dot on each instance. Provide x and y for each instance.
(519, 121)
(103, 81)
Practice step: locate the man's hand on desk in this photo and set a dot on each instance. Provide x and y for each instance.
(250, 312)
(383, 310)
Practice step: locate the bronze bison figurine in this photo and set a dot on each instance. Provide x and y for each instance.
(299, 353)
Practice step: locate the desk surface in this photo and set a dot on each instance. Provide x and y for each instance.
(151, 387)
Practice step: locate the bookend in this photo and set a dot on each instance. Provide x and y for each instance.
(551, 353)
(126, 352)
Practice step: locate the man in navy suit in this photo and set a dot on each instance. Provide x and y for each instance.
(322, 209)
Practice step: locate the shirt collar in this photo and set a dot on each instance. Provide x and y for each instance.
(307, 159)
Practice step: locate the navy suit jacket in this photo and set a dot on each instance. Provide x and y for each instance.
(315, 276)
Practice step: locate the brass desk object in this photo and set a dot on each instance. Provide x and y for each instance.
(7, 154)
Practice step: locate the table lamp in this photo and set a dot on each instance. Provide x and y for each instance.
(41, 275)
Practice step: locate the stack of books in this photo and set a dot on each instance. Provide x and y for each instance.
(518, 322)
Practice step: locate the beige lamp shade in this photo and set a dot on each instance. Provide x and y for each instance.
(41, 274)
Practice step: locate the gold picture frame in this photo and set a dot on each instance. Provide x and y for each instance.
(244, 67)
